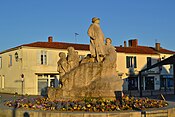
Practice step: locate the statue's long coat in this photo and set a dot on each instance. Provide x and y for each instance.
(96, 40)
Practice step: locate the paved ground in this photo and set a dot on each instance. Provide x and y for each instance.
(170, 98)
(5, 97)
(167, 97)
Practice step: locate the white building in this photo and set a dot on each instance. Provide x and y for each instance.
(37, 63)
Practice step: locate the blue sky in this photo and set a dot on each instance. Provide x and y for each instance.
(27, 21)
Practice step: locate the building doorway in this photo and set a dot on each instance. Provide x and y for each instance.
(149, 83)
(42, 86)
(132, 83)
(45, 81)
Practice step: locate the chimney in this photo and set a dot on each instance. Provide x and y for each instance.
(50, 39)
(125, 44)
(157, 46)
(133, 43)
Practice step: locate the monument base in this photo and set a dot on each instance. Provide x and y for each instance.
(88, 80)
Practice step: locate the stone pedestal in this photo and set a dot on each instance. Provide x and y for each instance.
(88, 80)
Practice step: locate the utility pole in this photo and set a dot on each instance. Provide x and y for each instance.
(140, 82)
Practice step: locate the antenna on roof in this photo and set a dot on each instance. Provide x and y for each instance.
(155, 40)
(76, 40)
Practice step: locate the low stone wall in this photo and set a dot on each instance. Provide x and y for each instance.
(136, 93)
(29, 113)
(12, 112)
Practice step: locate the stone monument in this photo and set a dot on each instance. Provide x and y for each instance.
(94, 76)
(96, 35)
(62, 67)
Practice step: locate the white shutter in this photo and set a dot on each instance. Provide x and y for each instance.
(49, 56)
(3, 83)
(0, 62)
(39, 57)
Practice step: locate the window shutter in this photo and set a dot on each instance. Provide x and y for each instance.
(51, 58)
(131, 64)
(39, 57)
(0, 62)
(148, 61)
(2, 81)
(127, 62)
(46, 57)
(135, 62)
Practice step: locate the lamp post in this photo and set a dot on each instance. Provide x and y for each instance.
(16, 56)
(22, 81)
(140, 82)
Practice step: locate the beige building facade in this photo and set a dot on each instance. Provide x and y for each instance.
(133, 58)
(31, 68)
(38, 64)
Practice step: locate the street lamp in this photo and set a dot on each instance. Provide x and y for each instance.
(16, 56)
(22, 81)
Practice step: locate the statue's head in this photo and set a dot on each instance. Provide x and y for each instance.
(62, 55)
(95, 19)
(108, 41)
(70, 49)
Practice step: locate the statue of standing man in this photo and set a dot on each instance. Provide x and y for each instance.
(97, 46)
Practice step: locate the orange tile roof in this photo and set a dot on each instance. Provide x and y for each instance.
(162, 50)
(136, 50)
(58, 45)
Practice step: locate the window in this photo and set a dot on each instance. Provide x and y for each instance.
(10, 60)
(43, 57)
(2, 81)
(45, 81)
(131, 62)
(148, 62)
(0, 62)
(81, 57)
(132, 83)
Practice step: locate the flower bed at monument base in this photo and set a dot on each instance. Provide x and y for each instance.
(87, 104)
